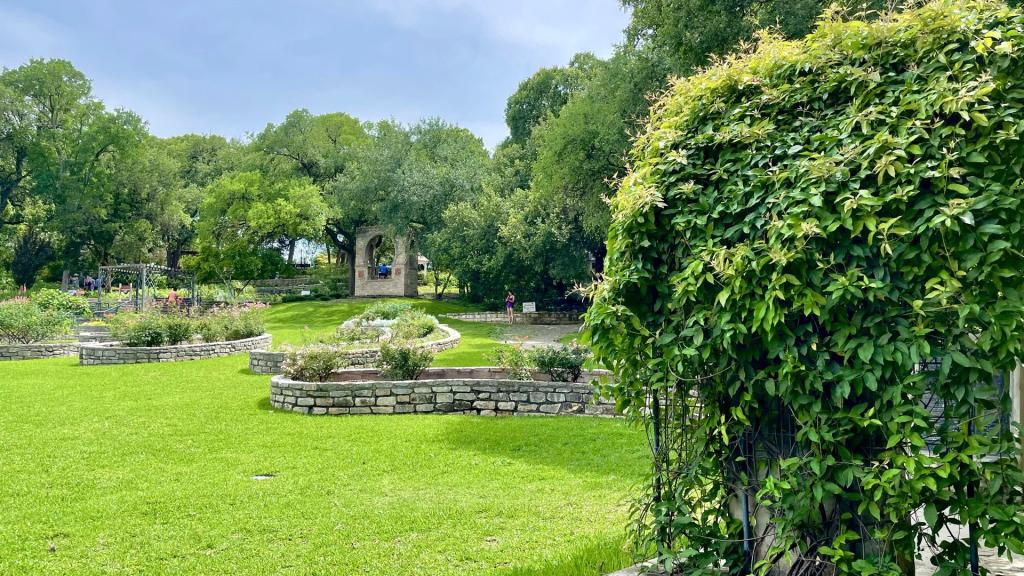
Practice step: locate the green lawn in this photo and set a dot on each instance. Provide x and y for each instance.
(299, 322)
(145, 469)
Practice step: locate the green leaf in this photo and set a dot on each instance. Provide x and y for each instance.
(931, 515)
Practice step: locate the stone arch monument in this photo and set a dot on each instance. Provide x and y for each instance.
(401, 279)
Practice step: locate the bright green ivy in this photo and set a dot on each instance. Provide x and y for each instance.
(825, 232)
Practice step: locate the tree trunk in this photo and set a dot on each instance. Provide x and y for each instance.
(291, 252)
(65, 277)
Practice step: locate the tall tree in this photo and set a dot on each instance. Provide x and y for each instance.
(39, 103)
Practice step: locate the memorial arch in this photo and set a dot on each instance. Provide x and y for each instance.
(372, 250)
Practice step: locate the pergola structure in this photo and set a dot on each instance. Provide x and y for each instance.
(138, 280)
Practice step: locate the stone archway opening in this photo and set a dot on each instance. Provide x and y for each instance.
(385, 263)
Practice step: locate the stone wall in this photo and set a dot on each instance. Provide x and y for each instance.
(37, 351)
(267, 362)
(542, 318)
(101, 353)
(497, 396)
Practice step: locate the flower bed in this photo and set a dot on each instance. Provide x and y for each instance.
(483, 391)
(269, 362)
(112, 353)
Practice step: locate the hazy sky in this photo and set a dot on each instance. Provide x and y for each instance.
(230, 67)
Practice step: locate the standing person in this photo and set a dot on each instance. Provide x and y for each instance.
(89, 283)
(172, 298)
(510, 303)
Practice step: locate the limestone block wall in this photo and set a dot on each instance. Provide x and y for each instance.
(431, 395)
(545, 318)
(267, 362)
(103, 353)
(37, 351)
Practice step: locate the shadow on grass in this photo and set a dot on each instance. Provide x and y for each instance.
(585, 559)
(588, 446)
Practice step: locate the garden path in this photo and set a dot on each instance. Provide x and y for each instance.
(533, 335)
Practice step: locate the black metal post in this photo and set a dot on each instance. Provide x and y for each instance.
(972, 526)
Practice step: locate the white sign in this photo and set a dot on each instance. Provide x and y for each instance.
(529, 307)
(304, 293)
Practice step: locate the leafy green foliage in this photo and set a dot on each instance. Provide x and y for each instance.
(156, 329)
(818, 236)
(403, 361)
(138, 329)
(561, 363)
(313, 363)
(413, 325)
(385, 310)
(516, 361)
(24, 322)
(358, 334)
(59, 301)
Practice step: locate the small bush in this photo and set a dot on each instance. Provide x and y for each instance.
(24, 322)
(313, 363)
(401, 361)
(516, 361)
(385, 310)
(358, 334)
(231, 323)
(55, 300)
(178, 328)
(414, 324)
(138, 329)
(562, 363)
(211, 331)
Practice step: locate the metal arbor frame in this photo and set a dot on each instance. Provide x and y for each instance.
(141, 278)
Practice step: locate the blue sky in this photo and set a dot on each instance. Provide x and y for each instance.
(230, 67)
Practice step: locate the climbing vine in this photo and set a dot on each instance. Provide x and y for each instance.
(814, 295)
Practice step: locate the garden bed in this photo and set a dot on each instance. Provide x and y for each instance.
(263, 361)
(37, 351)
(112, 353)
(484, 391)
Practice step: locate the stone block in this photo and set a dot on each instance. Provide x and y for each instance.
(506, 405)
(550, 408)
(484, 405)
(386, 401)
(445, 397)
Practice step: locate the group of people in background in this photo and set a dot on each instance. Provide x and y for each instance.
(87, 285)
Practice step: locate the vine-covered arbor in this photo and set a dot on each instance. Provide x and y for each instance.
(139, 282)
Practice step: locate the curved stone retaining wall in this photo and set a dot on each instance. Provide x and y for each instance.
(543, 318)
(439, 391)
(37, 351)
(92, 354)
(267, 362)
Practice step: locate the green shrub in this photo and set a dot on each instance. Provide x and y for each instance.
(358, 334)
(60, 301)
(814, 243)
(385, 310)
(401, 361)
(516, 360)
(131, 329)
(24, 322)
(178, 328)
(231, 323)
(561, 363)
(413, 324)
(313, 363)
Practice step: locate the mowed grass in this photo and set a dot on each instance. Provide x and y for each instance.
(146, 469)
(300, 322)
